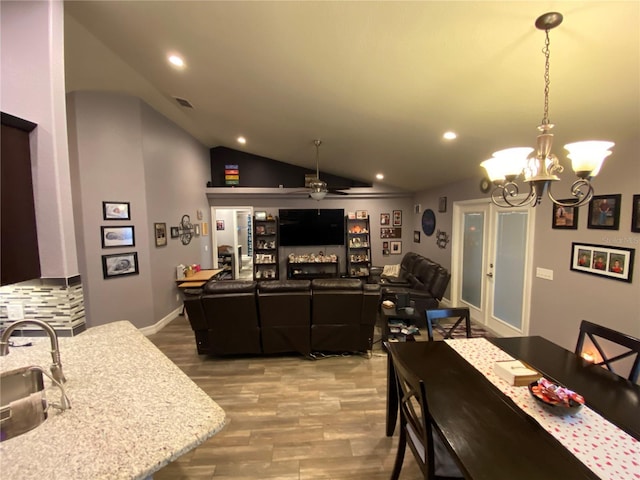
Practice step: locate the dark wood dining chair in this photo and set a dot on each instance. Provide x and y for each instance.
(416, 429)
(461, 314)
(596, 332)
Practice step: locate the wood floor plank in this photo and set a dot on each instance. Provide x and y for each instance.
(288, 417)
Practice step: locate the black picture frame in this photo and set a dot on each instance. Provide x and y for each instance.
(615, 263)
(120, 265)
(635, 214)
(442, 205)
(175, 232)
(390, 232)
(604, 212)
(116, 211)
(416, 236)
(114, 237)
(565, 218)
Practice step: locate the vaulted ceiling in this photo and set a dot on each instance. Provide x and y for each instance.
(378, 82)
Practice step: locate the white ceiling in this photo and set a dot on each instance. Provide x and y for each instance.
(378, 82)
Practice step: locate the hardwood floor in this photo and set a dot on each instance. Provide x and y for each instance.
(288, 418)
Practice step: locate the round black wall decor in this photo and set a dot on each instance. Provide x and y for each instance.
(428, 222)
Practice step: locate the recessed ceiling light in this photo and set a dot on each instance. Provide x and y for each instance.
(176, 61)
(379, 176)
(450, 135)
(242, 140)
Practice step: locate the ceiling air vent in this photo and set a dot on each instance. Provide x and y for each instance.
(183, 102)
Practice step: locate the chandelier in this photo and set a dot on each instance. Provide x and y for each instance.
(539, 168)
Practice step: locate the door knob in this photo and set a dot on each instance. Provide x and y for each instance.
(490, 274)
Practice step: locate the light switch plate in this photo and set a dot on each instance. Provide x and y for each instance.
(15, 311)
(544, 273)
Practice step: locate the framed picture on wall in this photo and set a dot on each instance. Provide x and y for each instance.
(635, 214)
(416, 236)
(602, 260)
(117, 237)
(175, 232)
(120, 265)
(196, 229)
(116, 211)
(160, 234)
(385, 219)
(397, 218)
(219, 224)
(396, 247)
(604, 212)
(565, 217)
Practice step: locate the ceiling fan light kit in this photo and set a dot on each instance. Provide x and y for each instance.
(318, 187)
(539, 169)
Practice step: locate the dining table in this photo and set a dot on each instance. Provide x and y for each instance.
(496, 431)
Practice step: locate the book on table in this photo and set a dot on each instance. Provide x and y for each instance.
(515, 372)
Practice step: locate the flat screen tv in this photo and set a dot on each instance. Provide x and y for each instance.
(302, 227)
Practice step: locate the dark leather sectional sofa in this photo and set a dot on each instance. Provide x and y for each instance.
(424, 280)
(278, 316)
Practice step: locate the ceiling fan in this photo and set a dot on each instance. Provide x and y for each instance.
(317, 188)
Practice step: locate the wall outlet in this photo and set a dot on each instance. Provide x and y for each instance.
(15, 311)
(544, 273)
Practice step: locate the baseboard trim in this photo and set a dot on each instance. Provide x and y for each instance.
(160, 324)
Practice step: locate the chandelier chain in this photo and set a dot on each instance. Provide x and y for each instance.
(547, 81)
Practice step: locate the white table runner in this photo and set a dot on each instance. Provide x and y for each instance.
(608, 451)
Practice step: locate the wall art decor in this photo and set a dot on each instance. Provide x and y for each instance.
(160, 234)
(602, 260)
(186, 230)
(119, 265)
(397, 218)
(175, 232)
(428, 222)
(362, 214)
(385, 219)
(116, 211)
(442, 239)
(564, 217)
(417, 208)
(442, 204)
(390, 232)
(604, 212)
(396, 247)
(205, 229)
(261, 215)
(196, 229)
(219, 224)
(117, 237)
(635, 214)
(416, 236)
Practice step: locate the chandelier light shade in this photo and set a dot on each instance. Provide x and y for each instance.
(539, 168)
(318, 195)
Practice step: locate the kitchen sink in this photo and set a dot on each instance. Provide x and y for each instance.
(22, 403)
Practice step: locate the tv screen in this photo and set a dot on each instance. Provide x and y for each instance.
(301, 227)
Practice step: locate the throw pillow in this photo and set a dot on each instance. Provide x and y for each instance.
(391, 270)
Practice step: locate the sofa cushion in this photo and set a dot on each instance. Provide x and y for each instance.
(230, 286)
(272, 286)
(336, 284)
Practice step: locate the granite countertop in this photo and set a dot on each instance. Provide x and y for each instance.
(132, 409)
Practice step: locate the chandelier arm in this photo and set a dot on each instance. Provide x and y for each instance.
(581, 190)
(502, 196)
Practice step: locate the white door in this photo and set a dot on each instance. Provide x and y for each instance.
(491, 267)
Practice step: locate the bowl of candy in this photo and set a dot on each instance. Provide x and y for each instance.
(554, 398)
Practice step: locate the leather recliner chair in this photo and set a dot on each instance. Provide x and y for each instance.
(336, 313)
(231, 313)
(285, 316)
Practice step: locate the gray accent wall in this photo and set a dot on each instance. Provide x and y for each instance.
(121, 150)
(558, 305)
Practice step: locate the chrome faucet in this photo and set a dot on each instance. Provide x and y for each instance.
(56, 366)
